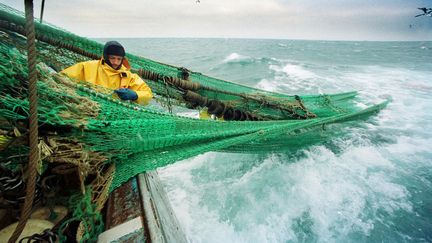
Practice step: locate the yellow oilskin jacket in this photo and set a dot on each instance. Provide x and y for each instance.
(99, 73)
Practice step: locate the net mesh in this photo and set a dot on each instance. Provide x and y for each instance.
(138, 138)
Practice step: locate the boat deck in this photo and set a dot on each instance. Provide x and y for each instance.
(139, 211)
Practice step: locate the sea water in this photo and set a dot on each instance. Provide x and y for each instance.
(373, 184)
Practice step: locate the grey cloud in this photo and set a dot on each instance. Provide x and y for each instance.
(300, 19)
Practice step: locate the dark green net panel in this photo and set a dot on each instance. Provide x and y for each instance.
(138, 138)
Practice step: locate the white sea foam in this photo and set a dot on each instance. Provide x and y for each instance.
(235, 57)
(323, 196)
(329, 195)
(289, 78)
(295, 71)
(409, 91)
(269, 85)
(190, 114)
(331, 191)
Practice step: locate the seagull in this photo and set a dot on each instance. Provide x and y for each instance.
(426, 12)
(198, 1)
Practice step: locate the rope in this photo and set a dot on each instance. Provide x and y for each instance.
(58, 43)
(188, 85)
(177, 82)
(167, 95)
(42, 10)
(33, 138)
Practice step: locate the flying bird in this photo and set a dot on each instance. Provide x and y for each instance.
(426, 12)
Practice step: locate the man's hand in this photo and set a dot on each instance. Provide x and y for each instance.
(126, 94)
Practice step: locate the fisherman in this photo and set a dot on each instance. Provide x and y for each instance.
(112, 72)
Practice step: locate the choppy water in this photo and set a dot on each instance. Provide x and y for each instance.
(372, 185)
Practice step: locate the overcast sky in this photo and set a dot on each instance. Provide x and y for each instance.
(282, 19)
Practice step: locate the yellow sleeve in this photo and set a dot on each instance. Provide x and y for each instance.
(75, 71)
(142, 89)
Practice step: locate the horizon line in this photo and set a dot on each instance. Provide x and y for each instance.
(257, 38)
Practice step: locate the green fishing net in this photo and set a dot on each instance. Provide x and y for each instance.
(138, 138)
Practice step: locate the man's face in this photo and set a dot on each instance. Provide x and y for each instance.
(115, 61)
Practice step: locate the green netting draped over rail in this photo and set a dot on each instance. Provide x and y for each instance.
(135, 138)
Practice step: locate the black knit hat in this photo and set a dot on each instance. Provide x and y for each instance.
(113, 48)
